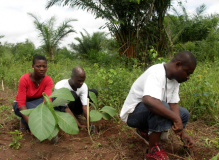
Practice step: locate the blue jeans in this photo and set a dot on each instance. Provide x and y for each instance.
(142, 118)
(33, 104)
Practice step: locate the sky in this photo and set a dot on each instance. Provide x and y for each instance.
(17, 26)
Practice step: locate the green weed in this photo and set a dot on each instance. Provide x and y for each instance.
(3, 108)
(17, 136)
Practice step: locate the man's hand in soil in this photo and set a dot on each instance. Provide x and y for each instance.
(190, 142)
(83, 126)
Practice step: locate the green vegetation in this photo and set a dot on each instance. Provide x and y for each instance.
(197, 32)
(108, 63)
(98, 114)
(17, 136)
(51, 120)
(215, 157)
(199, 94)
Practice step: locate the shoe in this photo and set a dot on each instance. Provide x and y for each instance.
(164, 135)
(55, 140)
(142, 135)
(157, 153)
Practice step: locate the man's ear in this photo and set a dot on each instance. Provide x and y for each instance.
(32, 66)
(178, 65)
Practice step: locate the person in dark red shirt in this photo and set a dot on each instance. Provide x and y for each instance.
(30, 89)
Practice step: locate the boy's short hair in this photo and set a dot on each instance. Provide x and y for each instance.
(39, 57)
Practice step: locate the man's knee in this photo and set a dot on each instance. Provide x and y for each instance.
(184, 114)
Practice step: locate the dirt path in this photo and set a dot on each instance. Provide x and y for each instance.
(115, 141)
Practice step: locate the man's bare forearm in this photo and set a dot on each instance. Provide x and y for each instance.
(84, 108)
(156, 106)
(175, 108)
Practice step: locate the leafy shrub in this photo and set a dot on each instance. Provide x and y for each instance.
(205, 49)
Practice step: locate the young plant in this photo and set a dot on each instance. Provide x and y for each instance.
(45, 122)
(106, 112)
(17, 136)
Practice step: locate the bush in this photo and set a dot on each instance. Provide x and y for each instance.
(205, 49)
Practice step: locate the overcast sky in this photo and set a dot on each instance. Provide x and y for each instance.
(16, 25)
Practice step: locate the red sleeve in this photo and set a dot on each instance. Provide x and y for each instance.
(22, 91)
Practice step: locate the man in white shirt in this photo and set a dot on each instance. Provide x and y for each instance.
(152, 103)
(79, 91)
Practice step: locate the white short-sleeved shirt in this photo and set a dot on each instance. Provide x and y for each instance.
(81, 92)
(152, 82)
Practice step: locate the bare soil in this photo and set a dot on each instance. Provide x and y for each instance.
(115, 141)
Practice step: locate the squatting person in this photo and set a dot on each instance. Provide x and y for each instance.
(30, 88)
(79, 91)
(152, 103)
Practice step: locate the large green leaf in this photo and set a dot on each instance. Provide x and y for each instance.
(63, 93)
(95, 115)
(93, 97)
(55, 132)
(41, 122)
(106, 116)
(110, 110)
(27, 112)
(67, 123)
(92, 104)
(215, 157)
(59, 101)
(49, 105)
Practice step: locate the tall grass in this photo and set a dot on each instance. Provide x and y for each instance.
(113, 82)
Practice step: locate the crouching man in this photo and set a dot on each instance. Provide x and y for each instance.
(152, 103)
(79, 90)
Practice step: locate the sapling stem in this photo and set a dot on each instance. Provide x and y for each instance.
(3, 84)
(88, 114)
(88, 119)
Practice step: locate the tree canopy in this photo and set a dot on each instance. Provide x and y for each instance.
(136, 25)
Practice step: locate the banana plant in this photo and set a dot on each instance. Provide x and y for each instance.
(106, 112)
(45, 122)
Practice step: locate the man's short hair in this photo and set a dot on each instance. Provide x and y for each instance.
(39, 57)
(185, 57)
(76, 70)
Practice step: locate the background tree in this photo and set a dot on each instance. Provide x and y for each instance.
(183, 28)
(88, 42)
(136, 25)
(50, 37)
